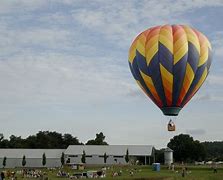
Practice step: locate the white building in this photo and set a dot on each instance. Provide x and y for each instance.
(116, 153)
(168, 156)
(33, 157)
(94, 155)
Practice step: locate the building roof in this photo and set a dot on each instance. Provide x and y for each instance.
(168, 150)
(118, 150)
(31, 153)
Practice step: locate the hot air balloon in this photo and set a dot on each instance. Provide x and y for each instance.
(170, 63)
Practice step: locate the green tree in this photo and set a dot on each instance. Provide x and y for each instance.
(214, 150)
(105, 158)
(83, 158)
(4, 162)
(16, 142)
(62, 159)
(127, 156)
(23, 160)
(4, 143)
(1, 136)
(99, 140)
(159, 154)
(49, 140)
(199, 152)
(186, 149)
(68, 139)
(42, 139)
(31, 142)
(44, 159)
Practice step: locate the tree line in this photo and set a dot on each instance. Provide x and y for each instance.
(214, 150)
(184, 146)
(48, 140)
(187, 149)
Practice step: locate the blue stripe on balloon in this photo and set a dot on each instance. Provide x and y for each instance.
(132, 71)
(209, 59)
(136, 74)
(141, 61)
(165, 57)
(179, 70)
(154, 70)
(193, 56)
(197, 77)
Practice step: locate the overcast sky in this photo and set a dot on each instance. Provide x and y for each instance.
(64, 67)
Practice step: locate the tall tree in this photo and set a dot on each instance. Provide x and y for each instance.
(83, 158)
(44, 159)
(186, 149)
(159, 154)
(4, 143)
(127, 156)
(105, 158)
(62, 159)
(214, 150)
(4, 162)
(23, 160)
(68, 139)
(1, 136)
(99, 140)
(15, 141)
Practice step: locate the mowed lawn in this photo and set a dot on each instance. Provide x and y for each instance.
(143, 173)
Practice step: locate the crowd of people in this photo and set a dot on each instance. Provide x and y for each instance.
(25, 173)
(62, 174)
(32, 173)
(8, 174)
(181, 169)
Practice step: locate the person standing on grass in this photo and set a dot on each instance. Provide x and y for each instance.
(2, 176)
(215, 168)
(183, 170)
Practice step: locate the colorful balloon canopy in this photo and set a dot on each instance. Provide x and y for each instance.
(170, 63)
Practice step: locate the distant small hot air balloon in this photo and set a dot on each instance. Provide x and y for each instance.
(170, 63)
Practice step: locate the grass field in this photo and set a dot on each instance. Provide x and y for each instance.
(143, 173)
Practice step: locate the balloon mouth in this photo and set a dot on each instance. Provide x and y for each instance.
(171, 111)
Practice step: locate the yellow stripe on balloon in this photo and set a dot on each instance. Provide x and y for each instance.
(132, 52)
(180, 53)
(166, 37)
(140, 48)
(209, 44)
(180, 46)
(204, 50)
(179, 42)
(167, 80)
(138, 82)
(151, 48)
(153, 40)
(166, 42)
(151, 53)
(192, 37)
(200, 82)
(140, 45)
(188, 78)
(203, 56)
(149, 83)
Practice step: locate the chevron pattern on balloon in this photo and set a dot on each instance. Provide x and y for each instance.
(170, 63)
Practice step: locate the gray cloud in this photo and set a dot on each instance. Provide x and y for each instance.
(63, 78)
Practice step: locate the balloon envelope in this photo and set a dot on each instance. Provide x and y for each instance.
(170, 63)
